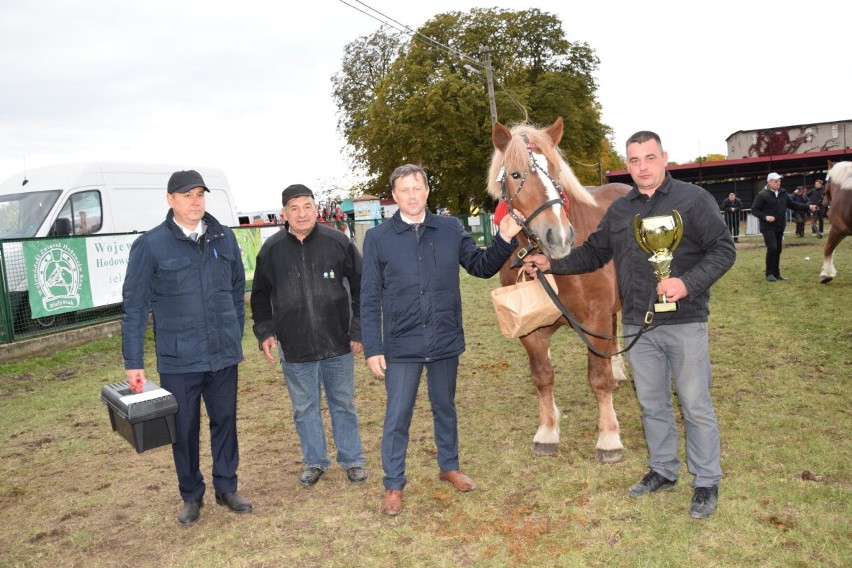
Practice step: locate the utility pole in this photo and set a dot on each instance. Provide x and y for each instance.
(490, 79)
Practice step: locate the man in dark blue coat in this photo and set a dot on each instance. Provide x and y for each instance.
(411, 318)
(189, 273)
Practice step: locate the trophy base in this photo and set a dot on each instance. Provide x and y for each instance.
(664, 307)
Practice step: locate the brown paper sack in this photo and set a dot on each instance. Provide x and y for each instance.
(524, 307)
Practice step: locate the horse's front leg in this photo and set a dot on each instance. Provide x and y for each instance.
(828, 270)
(608, 448)
(546, 439)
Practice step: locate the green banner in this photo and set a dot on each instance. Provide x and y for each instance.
(57, 276)
(249, 241)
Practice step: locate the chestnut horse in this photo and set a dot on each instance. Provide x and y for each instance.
(529, 173)
(838, 197)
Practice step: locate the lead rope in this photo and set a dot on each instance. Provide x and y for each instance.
(584, 332)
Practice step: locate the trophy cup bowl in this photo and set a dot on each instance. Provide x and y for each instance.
(660, 236)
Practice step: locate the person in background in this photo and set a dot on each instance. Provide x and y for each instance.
(732, 205)
(815, 197)
(770, 207)
(800, 217)
(411, 319)
(189, 273)
(306, 293)
(677, 344)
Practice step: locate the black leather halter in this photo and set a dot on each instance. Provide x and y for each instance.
(534, 165)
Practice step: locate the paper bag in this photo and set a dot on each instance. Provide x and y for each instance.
(524, 307)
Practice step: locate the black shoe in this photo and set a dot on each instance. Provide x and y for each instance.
(191, 512)
(651, 483)
(779, 277)
(736, 239)
(770, 278)
(234, 501)
(310, 476)
(356, 474)
(704, 502)
(819, 236)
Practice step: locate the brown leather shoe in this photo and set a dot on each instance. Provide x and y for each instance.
(459, 480)
(392, 502)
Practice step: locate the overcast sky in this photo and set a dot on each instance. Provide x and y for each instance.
(246, 86)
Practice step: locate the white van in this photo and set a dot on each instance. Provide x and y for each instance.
(93, 198)
(98, 197)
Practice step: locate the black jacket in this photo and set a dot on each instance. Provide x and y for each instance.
(766, 203)
(300, 294)
(705, 253)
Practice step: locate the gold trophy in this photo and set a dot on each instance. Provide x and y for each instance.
(660, 236)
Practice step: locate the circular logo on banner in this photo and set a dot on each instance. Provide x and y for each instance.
(57, 272)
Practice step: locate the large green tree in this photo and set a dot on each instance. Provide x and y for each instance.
(424, 99)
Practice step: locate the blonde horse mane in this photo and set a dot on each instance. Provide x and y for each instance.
(516, 154)
(841, 175)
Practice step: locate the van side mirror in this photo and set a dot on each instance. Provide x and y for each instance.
(61, 228)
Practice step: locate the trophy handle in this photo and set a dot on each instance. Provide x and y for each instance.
(678, 229)
(637, 222)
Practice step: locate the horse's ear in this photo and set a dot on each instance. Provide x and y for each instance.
(500, 136)
(555, 131)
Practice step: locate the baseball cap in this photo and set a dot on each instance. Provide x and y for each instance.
(773, 176)
(183, 181)
(295, 190)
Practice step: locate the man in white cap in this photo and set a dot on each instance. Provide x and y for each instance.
(770, 206)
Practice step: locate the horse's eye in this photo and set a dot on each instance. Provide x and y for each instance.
(516, 175)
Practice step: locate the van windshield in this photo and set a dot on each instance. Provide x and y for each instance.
(21, 214)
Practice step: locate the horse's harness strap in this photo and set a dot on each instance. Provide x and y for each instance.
(524, 223)
(584, 332)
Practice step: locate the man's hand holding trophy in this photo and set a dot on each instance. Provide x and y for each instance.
(660, 236)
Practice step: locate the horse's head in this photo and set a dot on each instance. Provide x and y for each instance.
(528, 172)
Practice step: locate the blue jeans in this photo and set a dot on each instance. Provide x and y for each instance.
(680, 351)
(305, 383)
(401, 382)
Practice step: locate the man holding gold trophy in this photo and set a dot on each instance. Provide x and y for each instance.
(666, 296)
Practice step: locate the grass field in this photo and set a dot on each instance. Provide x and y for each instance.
(73, 493)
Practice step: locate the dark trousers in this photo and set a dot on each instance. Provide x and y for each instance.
(219, 391)
(401, 382)
(774, 241)
(733, 222)
(817, 221)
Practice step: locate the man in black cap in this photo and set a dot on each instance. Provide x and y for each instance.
(189, 273)
(305, 293)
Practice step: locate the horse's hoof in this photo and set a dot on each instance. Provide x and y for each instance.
(609, 456)
(544, 449)
(825, 279)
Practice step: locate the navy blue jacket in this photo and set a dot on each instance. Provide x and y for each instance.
(705, 253)
(306, 293)
(410, 299)
(196, 294)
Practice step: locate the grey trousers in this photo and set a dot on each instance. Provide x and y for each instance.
(681, 352)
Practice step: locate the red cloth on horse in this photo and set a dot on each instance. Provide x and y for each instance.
(501, 211)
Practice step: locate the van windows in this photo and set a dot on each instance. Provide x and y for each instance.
(82, 214)
(21, 214)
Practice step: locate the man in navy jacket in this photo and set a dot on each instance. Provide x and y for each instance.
(189, 273)
(411, 318)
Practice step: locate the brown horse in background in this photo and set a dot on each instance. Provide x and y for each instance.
(529, 173)
(838, 198)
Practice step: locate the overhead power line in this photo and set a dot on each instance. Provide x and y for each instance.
(386, 20)
(400, 27)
